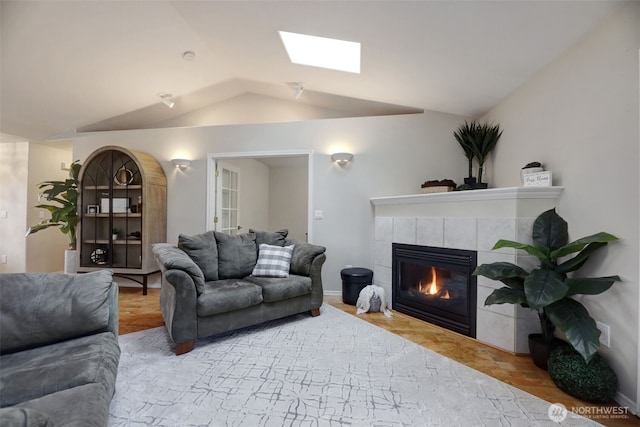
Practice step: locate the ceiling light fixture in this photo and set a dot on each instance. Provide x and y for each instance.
(188, 55)
(165, 97)
(322, 52)
(297, 87)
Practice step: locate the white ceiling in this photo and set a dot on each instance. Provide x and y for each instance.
(68, 65)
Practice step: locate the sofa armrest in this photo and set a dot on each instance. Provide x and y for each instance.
(182, 282)
(315, 272)
(171, 257)
(303, 255)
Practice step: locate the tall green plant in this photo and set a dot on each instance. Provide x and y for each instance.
(64, 214)
(548, 288)
(483, 141)
(463, 135)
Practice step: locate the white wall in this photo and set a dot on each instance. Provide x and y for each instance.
(288, 200)
(14, 168)
(45, 249)
(392, 155)
(580, 117)
(23, 166)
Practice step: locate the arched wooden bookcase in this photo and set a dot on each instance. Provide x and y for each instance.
(125, 190)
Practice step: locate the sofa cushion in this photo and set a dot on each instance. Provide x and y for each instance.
(83, 406)
(273, 261)
(23, 417)
(30, 374)
(222, 296)
(237, 255)
(278, 289)
(60, 307)
(203, 250)
(276, 238)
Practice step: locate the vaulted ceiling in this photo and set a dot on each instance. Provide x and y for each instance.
(71, 66)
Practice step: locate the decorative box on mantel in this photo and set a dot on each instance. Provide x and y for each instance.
(470, 220)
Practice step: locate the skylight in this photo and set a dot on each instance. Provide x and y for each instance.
(322, 52)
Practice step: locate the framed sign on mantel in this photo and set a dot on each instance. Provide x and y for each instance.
(538, 179)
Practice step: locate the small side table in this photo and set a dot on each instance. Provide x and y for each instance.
(354, 280)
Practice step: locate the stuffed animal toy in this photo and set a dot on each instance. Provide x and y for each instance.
(372, 298)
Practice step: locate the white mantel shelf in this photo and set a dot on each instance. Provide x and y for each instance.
(505, 193)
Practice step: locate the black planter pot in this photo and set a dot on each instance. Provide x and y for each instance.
(480, 186)
(470, 181)
(540, 349)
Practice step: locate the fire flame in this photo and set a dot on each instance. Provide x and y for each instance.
(432, 287)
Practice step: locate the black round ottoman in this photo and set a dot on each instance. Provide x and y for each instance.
(353, 281)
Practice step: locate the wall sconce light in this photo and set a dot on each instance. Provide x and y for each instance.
(181, 164)
(165, 97)
(341, 158)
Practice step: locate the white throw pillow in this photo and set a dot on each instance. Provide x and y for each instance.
(273, 261)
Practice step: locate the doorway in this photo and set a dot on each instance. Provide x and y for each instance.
(273, 192)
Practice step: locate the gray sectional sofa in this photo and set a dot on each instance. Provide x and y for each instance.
(59, 349)
(213, 282)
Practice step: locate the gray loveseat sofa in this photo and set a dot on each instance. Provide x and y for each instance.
(59, 349)
(213, 282)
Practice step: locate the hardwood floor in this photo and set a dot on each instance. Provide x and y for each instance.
(138, 312)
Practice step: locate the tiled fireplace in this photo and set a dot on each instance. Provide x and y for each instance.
(471, 221)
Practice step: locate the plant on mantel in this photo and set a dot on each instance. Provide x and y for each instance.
(548, 288)
(477, 141)
(64, 214)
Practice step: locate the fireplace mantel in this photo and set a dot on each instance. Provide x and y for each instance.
(494, 202)
(506, 193)
(470, 220)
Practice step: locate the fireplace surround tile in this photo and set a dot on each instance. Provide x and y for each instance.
(496, 329)
(382, 254)
(490, 230)
(430, 232)
(404, 230)
(461, 233)
(384, 229)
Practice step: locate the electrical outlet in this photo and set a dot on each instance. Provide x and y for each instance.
(605, 337)
(3, 214)
(318, 215)
(3, 259)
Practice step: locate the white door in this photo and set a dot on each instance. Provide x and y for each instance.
(227, 191)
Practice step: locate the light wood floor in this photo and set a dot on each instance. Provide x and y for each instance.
(138, 312)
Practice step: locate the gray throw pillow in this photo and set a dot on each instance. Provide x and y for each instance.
(237, 255)
(203, 250)
(276, 238)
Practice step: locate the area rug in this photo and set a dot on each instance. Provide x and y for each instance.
(330, 370)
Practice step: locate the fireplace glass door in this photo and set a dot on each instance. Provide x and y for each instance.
(436, 285)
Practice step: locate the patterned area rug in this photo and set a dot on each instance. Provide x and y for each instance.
(331, 370)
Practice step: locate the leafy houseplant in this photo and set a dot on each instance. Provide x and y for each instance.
(64, 214)
(477, 141)
(484, 140)
(548, 288)
(463, 136)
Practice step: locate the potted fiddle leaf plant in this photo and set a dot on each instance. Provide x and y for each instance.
(64, 211)
(548, 288)
(463, 136)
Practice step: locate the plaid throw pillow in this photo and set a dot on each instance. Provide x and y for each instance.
(273, 261)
